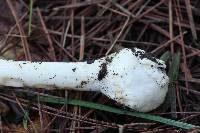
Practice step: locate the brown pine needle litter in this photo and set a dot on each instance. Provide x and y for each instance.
(86, 30)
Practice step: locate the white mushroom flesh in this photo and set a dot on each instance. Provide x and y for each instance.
(130, 77)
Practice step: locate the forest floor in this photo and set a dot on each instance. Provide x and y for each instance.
(70, 31)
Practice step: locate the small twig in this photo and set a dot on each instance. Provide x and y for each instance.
(112, 10)
(72, 28)
(52, 51)
(20, 105)
(171, 32)
(65, 34)
(167, 43)
(81, 4)
(40, 114)
(82, 39)
(142, 7)
(191, 19)
(183, 51)
(22, 33)
(178, 97)
(118, 36)
(142, 32)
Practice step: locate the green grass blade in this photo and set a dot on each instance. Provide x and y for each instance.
(173, 76)
(165, 56)
(174, 69)
(25, 120)
(116, 110)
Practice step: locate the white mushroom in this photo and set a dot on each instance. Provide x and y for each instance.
(130, 77)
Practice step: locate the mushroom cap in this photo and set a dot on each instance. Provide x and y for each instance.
(135, 79)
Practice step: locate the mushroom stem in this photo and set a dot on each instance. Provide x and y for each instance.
(73, 75)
